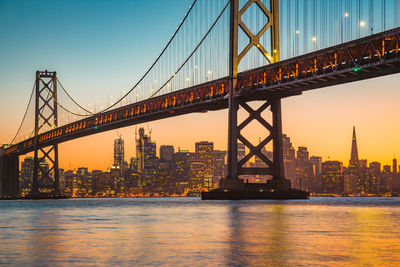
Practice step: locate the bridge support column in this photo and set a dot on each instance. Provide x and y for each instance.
(45, 165)
(236, 168)
(278, 175)
(9, 176)
(275, 167)
(232, 177)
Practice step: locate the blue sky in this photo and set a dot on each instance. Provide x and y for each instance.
(96, 47)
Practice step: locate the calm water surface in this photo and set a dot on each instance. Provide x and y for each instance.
(191, 232)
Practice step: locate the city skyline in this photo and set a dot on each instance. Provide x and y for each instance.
(318, 119)
(131, 151)
(167, 150)
(187, 173)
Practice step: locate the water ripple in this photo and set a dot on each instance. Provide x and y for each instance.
(191, 232)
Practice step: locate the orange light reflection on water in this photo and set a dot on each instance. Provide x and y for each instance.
(191, 232)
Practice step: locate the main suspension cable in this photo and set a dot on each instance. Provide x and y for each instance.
(88, 111)
(140, 80)
(154, 63)
(58, 103)
(26, 111)
(191, 54)
(135, 85)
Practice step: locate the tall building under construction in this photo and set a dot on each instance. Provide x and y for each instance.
(145, 150)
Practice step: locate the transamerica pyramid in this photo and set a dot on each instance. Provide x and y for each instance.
(354, 150)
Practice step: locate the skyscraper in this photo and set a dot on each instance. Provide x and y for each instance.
(386, 178)
(145, 149)
(204, 152)
(353, 181)
(302, 153)
(82, 171)
(133, 165)
(26, 175)
(62, 179)
(332, 177)
(196, 174)
(288, 149)
(44, 175)
(354, 162)
(119, 154)
(303, 169)
(241, 151)
(166, 153)
(374, 176)
(394, 166)
(181, 162)
(219, 165)
(317, 164)
(289, 157)
(315, 184)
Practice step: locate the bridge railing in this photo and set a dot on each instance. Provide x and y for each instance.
(167, 104)
(354, 55)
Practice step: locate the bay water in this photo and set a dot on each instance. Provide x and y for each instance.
(191, 232)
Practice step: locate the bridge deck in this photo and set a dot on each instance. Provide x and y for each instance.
(364, 58)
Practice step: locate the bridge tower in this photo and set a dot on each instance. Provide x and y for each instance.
(45, 163)
(275, 166)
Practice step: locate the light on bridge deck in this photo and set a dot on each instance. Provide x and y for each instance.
(357, 69)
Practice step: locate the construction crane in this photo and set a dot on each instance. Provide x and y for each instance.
(118, 134)
(149, 129)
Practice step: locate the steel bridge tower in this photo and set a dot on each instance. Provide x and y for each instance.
(45, 115)
(275, 167)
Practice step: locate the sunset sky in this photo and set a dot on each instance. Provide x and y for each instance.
(100, 48)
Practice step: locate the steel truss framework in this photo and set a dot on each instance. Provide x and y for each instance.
(274, 167)
(45, 115)
(255, 150)
(273, 23)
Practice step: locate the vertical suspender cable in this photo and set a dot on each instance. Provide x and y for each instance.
(208, 43)
(218, 37)
(358, 17)
(305, 18)
(340, 17)
(296, 40)
(289, 43)
(396, 13)
(384, 15)
(371, 17)
(351, 20)
(314, 18)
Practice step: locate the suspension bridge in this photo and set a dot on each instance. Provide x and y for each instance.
(223, 55)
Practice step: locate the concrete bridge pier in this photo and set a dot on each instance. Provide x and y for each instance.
(9, 176)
